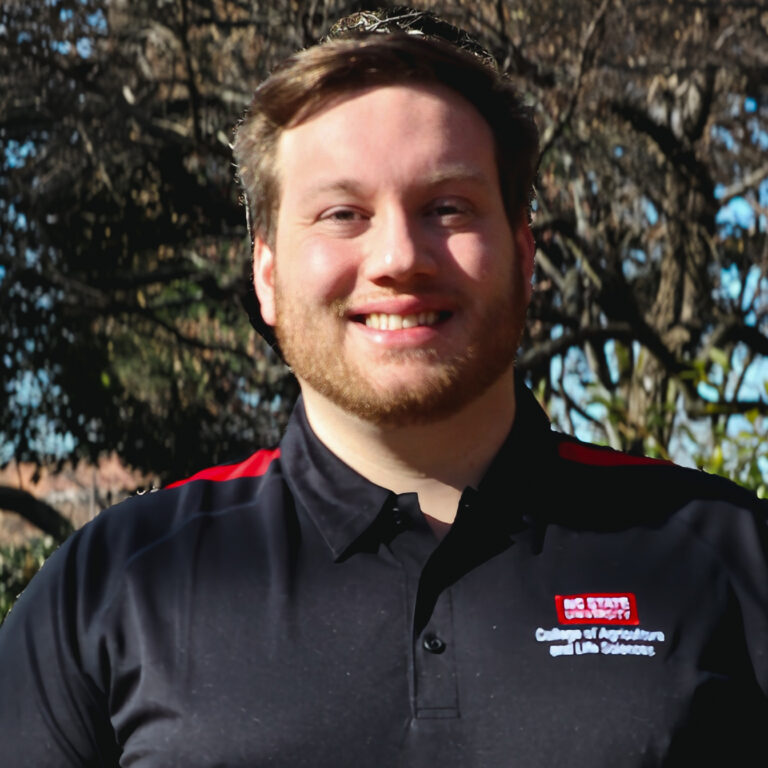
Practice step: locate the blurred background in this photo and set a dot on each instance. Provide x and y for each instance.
(126, 356)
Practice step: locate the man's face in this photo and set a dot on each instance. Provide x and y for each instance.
(396, 285)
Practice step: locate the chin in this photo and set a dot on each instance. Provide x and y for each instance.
(436, 394)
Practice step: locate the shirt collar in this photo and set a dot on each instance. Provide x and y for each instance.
(344, 505)
(525, 457)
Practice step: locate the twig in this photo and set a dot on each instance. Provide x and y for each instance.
(565, 117)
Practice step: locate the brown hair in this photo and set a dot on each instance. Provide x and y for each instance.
(307, 81)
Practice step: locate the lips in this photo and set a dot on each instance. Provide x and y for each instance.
(401, 313)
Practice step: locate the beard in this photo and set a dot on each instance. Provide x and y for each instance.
(314, 349)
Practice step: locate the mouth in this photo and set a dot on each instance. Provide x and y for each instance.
(382, 321)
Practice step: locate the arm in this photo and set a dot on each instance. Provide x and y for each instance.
(51, 712)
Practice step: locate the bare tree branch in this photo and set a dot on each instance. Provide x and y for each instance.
(564, 118)
(37, 512)
(750, 181)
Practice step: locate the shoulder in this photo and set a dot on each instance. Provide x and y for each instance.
(586, 454)
(703, 517)
(159, 530)
(216, 491)
(255, 466)
(644, 487)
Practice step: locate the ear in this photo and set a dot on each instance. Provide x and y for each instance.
(525, 249)
(264, 279)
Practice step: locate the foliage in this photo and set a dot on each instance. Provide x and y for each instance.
(124, 259)
(645, 326)
(741, 456)
(18, 564)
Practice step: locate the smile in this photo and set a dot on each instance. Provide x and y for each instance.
(381, 321)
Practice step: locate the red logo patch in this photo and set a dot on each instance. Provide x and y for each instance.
(597, 608)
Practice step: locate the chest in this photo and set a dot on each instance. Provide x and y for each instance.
(573, 648)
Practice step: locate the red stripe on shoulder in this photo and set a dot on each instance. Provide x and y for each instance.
(253, 466)
(604, 457)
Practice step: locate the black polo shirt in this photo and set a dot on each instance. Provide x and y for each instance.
(585, 609)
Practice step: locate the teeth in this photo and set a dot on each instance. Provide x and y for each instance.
(384, 322)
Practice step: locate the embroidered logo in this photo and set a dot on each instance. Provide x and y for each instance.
(601, 608)
(617, 632)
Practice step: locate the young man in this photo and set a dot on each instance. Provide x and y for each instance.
(422, 573)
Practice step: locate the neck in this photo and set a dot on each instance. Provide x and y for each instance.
(436, 460)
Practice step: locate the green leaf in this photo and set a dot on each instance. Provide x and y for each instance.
(720, 357)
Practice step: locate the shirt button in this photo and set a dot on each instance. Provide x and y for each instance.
(433, 644)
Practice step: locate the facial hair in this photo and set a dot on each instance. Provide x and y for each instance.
(316, 355)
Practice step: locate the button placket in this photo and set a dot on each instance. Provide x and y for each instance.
(411, 543)
(435, 664)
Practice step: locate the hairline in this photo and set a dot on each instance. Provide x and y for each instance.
(454, 171)
(328, 93)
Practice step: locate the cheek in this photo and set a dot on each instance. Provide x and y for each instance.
(332, 273)
(482, 258)
(316, 273)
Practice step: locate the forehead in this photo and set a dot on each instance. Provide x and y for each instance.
(385, 131)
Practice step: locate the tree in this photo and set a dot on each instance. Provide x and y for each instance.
(124, 258)
(124, 263)
(649, 315)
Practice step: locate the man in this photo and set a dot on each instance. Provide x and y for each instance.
(422, 574)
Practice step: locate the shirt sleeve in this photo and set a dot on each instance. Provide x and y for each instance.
(52, 714)
(746, 551)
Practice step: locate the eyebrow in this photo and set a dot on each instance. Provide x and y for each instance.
(459, 173)
(349, 186)
(452, 173)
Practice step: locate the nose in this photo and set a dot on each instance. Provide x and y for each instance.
(397, 252)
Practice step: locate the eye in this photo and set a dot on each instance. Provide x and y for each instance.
(342, 215)
(450, 212)
(343, 221)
